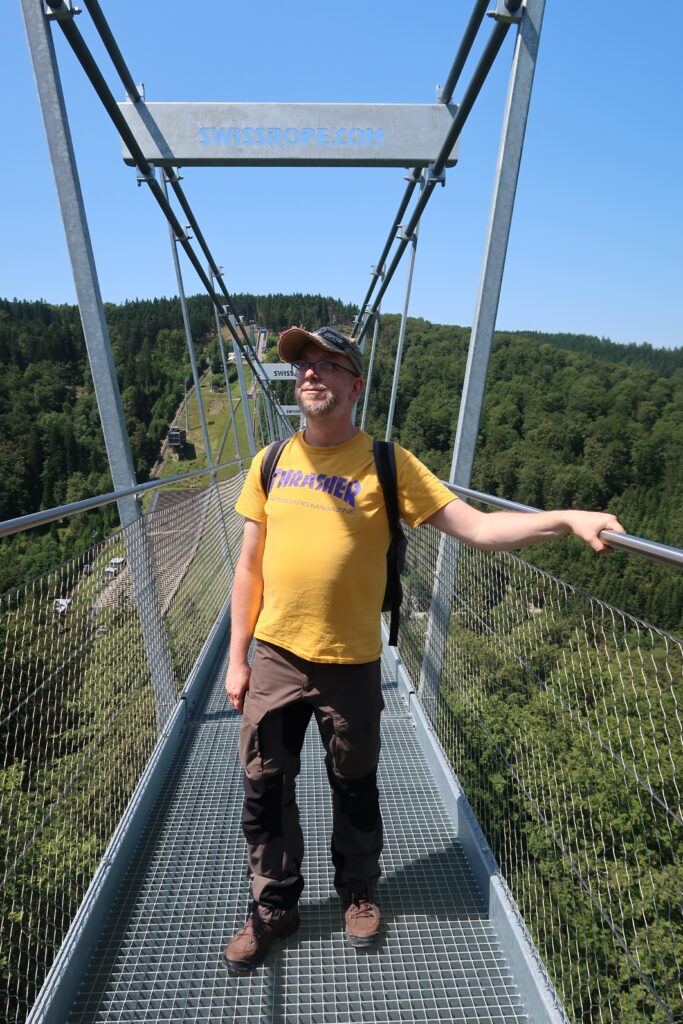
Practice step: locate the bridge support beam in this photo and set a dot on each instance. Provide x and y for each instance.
(188, 337)
(96, 334)
(404, 320)
(505, 186)
(370, 367)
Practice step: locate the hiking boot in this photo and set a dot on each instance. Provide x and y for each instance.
(251, 945)
(363, 921)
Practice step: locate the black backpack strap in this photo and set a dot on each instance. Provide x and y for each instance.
(385, 460)
(269, 462)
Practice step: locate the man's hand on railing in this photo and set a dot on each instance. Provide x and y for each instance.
(589, 525)
(237, 684)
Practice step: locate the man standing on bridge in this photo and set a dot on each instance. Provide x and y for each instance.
(309, 586)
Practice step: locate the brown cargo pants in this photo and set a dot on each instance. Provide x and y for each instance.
(284, 692)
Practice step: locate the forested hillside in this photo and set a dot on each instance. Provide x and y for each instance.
(664, 361)
(567, 421)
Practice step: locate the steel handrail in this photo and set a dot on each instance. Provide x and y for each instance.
(650, 549)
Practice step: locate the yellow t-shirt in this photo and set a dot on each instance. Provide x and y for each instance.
(324, 564)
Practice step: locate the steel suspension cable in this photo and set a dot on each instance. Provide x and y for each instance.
(445, 96)
(478, 78)
(111, 46)
(379, 267)
(97, 80)
(464, 49)
(146, 170)
(481, 71)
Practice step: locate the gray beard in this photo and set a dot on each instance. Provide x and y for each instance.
(321, 408)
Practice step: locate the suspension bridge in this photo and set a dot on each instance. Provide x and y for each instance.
(532, 734)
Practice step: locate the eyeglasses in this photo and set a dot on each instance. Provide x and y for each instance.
(321, 367)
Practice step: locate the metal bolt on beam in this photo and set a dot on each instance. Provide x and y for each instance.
(405, 236)
(431, 177)
(508, 12)
(60, 10)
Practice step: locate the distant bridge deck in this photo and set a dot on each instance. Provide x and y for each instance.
(185, 893)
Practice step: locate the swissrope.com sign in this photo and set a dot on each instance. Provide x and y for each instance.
(289, 134)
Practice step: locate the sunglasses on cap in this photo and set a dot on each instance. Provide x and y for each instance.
(329, 334)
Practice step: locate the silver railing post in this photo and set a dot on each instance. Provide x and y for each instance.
(269, 412)
(256, 412)
(96, 334)
(361, 318)
(507, 173)
(221, 346)
(214, 500)
(243, 388)
(263, 386)
(370, 368)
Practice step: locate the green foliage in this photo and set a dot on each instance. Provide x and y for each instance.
(277, 311)
(559, 722)
(78, 726)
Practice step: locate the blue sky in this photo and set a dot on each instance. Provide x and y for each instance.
(595, 245)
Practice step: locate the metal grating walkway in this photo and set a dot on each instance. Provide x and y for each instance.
(185, 894)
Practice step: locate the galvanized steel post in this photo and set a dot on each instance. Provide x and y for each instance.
(402, 332)
(257, 409)
(243, 388)
(265, 391)
(221, 346)
(370, 368)
(96, 334)
(507, 172)
(188, 336)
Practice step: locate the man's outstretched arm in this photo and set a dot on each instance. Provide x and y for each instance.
(247, 594)
(506, 531)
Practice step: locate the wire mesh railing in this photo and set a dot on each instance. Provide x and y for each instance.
(560, 714)
(562, 717)
(79, 719)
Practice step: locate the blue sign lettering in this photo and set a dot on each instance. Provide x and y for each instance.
(234, 135)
